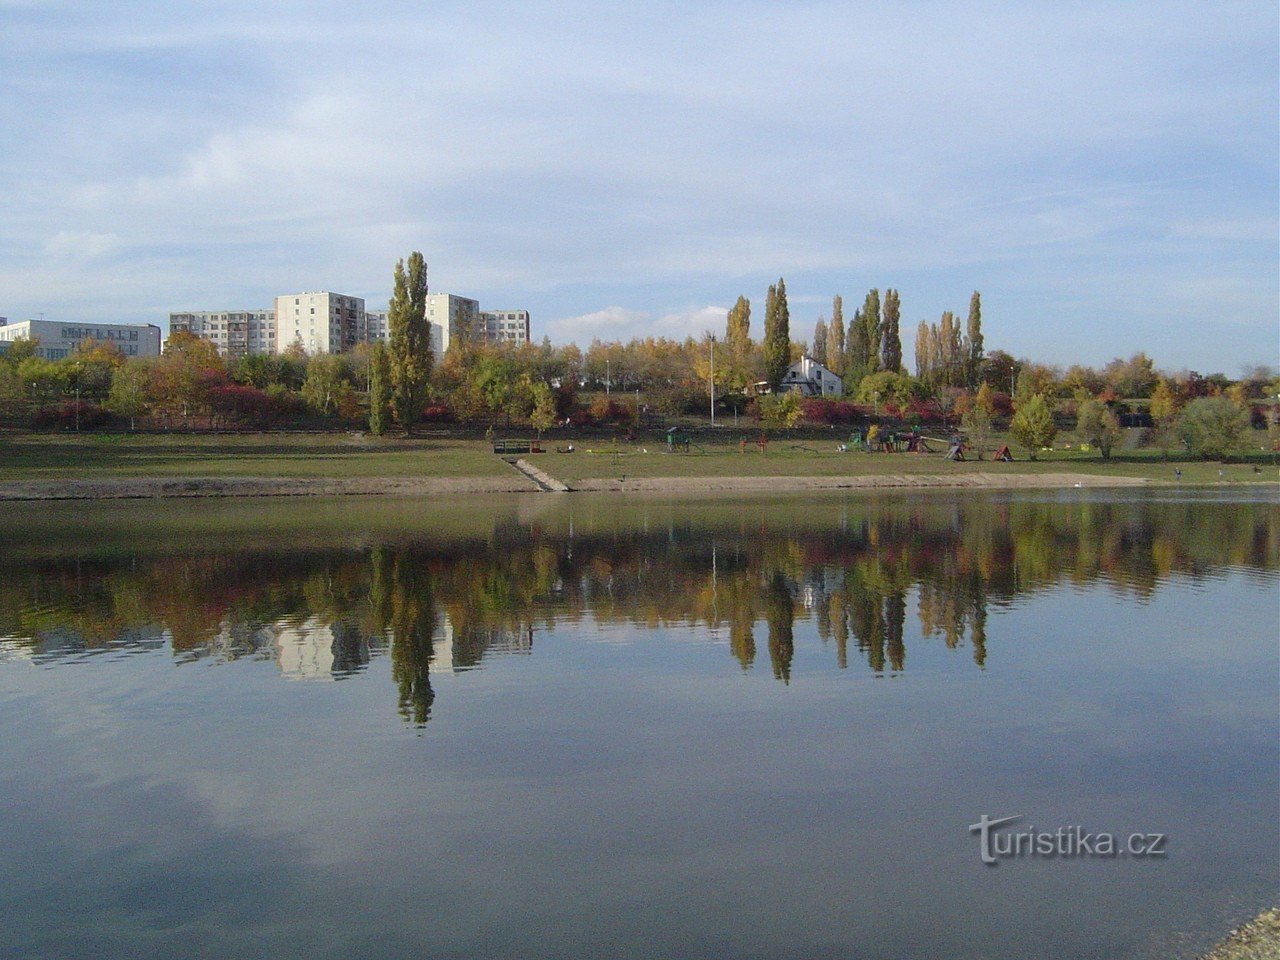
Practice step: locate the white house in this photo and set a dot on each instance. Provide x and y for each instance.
(809, 378)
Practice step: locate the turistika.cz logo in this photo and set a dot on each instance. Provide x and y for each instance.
(1065, 843)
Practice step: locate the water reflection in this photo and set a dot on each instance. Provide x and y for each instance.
(864, 574)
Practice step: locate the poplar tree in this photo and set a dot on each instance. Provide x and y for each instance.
(737, 331)
(410, 340)
(973, 330)
(819, 351)
(891, 349)
(379, 389)
(777, 335)
(872, 330)
(855, 354)
(835, 336)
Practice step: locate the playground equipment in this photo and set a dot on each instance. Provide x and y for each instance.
(759, 442)
(677, 439)
(956, 450)
(1004, 454)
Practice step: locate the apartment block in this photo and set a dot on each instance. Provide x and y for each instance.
(57, 339)
(320, 322)
(451, 317)
(504, 326)
(236, 333)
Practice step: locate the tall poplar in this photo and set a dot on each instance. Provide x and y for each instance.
(872, 329)
(379, 389)
(891, 348)
(973, 365)
(777, 335)
(737, 331)
(410, 340)
(835, 336)
(819, 349)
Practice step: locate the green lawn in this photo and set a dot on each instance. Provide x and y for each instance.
(93, 456)
(604, 460)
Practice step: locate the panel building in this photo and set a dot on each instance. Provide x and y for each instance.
(451, 317)
(504, 326)
(236, 333)
(57, 339)
(320, 322)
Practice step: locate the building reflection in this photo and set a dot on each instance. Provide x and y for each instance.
(849, 588)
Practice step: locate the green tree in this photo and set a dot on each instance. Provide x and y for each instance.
(737, 330)
(1212, 427)
(873, 330)
(1099, 425)
(835, 336)
(410, 340)
(128, 394)
(1032, 425)
(819, 349)
(777, 335)
(781, 409)
(379, 389)
(891, 349)
(855, 353)
(973, 365)
(323, 388)
(976, 423)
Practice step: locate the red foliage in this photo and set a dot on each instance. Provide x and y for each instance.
(1001, 404)
(437, 413)
(249, 406)
(63, 416)
(823, 410)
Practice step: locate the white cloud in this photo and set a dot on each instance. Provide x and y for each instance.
(81, 245)
(621, 323)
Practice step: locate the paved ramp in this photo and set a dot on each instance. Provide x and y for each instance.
(543, 479)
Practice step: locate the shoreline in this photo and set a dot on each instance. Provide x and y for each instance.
(127, 488)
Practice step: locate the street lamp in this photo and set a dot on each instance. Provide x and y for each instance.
(606, 378)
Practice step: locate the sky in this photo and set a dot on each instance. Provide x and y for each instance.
(1106, 174)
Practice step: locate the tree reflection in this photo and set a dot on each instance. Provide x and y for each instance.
(448, 603)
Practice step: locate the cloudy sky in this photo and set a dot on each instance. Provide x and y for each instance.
(1105, 173)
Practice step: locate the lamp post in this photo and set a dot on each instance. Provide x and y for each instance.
(606, 378)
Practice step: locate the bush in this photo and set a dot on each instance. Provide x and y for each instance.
(63, 416)
(1212, 427)
(830, 412)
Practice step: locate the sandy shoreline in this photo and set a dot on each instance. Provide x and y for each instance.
(177, 487)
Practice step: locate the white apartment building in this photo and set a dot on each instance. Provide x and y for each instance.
(504, 326)
(320, 322)
(57, 339)
(236, 333)
(377, 330)
(449, 317)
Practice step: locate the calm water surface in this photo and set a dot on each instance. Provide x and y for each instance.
(602, 727)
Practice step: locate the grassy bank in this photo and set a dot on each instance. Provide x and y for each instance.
(291, 456)
(96, 457)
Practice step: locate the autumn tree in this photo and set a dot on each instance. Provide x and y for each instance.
(128, 394)
(777, 335)
(410, 340)
(873, 327)
(1212, 427)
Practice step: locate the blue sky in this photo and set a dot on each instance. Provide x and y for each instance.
(1106, 174)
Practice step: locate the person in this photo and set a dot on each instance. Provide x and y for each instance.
(1177, 473)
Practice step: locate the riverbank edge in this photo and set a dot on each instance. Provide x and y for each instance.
(125, 488)
(1259, 939)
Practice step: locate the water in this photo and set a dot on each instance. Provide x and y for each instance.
(605, 727)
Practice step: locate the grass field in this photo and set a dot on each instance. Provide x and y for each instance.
(101, 456)
(821, 458)
(295, 456)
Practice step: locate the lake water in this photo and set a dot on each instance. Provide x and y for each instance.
(597, 726)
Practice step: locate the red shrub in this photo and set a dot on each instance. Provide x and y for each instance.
(823, 410)
(63, 416)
